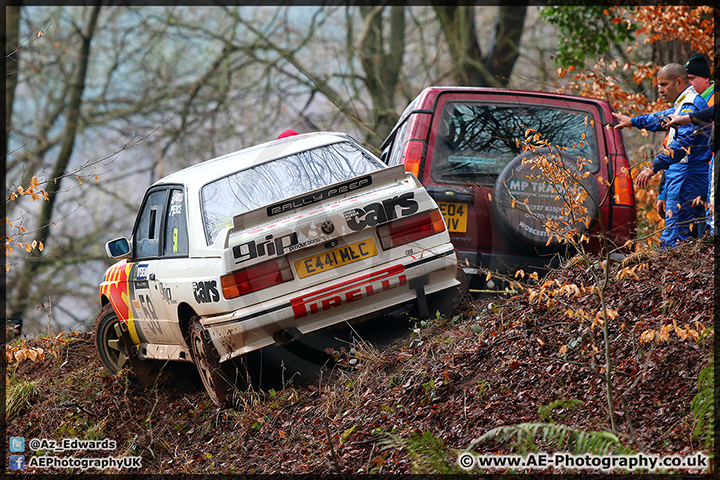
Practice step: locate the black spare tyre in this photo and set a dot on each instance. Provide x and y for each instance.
(541, 195)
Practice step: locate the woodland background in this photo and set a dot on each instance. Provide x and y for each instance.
(103, 101)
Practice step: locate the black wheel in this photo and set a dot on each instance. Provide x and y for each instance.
(536, 201)
(219, 379)
(108, 340)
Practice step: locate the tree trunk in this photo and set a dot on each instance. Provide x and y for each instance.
(504, 47)
(36, 258)
(458, 25)
(12, 39)
(472, 67)
(382, 69)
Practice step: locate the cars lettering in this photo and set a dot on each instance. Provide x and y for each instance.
(377, 213)
(206, 291)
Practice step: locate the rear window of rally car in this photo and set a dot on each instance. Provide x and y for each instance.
(280, 179)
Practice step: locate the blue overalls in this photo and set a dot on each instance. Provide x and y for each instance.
(685, 161)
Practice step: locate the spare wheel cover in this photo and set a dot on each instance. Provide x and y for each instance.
(528, 186)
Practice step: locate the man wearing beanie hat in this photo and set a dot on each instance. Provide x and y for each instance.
(699, 75)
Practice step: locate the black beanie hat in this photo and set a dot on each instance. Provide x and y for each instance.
(697, 65)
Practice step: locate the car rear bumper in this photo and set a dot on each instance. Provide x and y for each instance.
(342, 300)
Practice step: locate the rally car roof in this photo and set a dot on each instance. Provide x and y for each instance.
(218, 167)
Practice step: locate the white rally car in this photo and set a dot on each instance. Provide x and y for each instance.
(265, 244)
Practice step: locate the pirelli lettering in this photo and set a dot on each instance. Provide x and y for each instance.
(349, 292)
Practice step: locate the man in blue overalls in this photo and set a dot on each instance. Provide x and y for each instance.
(685, 158)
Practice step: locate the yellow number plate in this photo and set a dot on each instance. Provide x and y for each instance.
(455, 215)
(336, 257)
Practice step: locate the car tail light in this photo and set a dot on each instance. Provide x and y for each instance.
(412, 156)
(622, 185)
(410, 229)
(256, 278)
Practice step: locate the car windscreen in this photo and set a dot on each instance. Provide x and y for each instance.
(475, 141)
(279, 180)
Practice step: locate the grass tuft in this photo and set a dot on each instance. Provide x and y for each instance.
(19, 395)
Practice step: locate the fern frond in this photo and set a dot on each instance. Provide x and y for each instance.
(703, 408)
(573, 440)
(428, 453)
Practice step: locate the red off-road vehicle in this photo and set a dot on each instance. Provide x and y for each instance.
(465, 145)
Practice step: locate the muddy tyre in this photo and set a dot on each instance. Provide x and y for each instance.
(108, 340)
(220, 380)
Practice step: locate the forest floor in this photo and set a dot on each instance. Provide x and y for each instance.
(536, 359)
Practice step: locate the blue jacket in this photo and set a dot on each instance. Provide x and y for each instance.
(689, 101)
(685, 161)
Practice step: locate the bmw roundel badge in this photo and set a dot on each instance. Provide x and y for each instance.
(327, 227)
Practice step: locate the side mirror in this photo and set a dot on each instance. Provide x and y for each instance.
(118, 248)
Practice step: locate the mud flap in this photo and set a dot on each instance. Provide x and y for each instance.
(145, 371)
(419, 286)
(209, 344)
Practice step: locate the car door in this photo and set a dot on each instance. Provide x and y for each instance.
(172, 264)
(160, 234)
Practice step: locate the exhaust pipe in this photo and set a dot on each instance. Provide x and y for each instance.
(286, 336)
